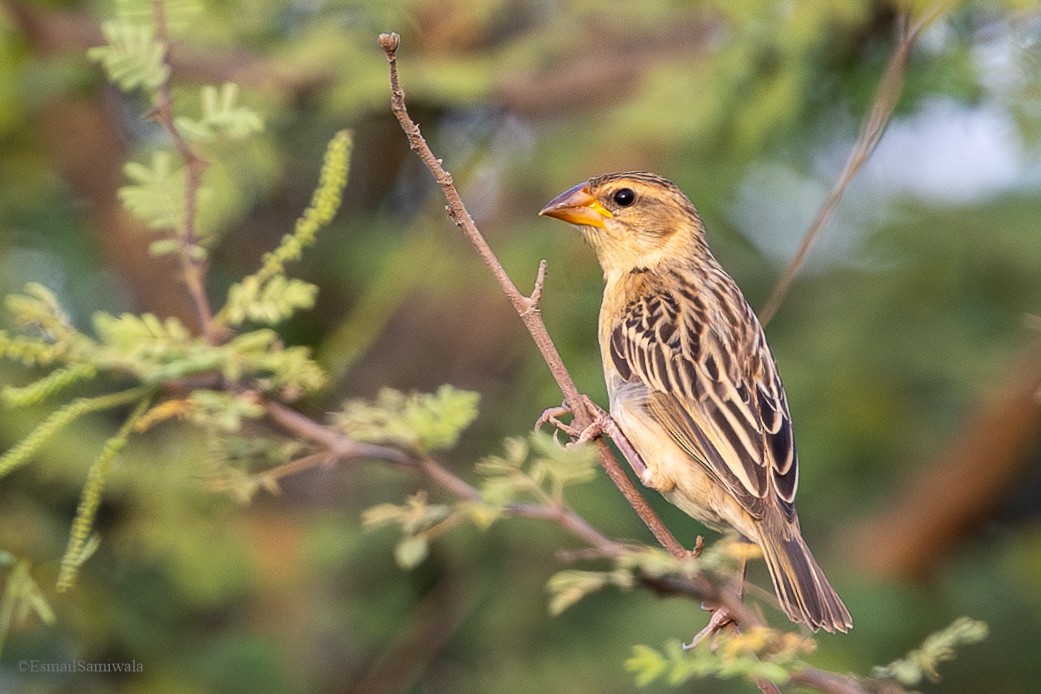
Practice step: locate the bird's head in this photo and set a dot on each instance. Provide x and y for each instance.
(632, 219)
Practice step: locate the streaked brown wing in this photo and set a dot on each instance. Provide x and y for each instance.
(730, 418)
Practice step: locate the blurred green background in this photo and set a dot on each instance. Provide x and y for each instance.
(909, 346)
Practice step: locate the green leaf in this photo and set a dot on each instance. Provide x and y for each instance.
(268, 303)
(82, 540)
(418, 421)
(568, 587)
(157, 192)
(937, 648)
(132, 57)
(46, 387)
(21, 598)
(222, 117)
(536, 468)
(646, 664)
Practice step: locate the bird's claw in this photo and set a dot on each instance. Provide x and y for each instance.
(551, 415)
(601, 423)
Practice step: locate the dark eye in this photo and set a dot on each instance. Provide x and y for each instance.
(624, 197)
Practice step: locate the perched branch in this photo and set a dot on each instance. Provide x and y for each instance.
(338, 446)
(886, 99)
(526, 307)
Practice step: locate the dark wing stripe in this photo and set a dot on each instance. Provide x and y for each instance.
(768, 410)
(686, 432)
(618, 356)
(711, 389)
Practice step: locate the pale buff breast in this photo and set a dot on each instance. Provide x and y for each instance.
(670, 471)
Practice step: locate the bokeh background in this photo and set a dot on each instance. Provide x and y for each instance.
(909, 346)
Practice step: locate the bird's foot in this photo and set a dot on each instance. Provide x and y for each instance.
(601, 424)
(719, 620)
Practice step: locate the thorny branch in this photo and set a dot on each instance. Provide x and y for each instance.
(527, 307)
(886, 99)
(192, 266)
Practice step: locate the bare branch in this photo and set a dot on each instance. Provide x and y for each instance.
(523, 305)
(886, 99)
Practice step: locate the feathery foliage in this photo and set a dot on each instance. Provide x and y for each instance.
(268, 296)
(418, 422)
(939, 647)
(22, 597)
(759, 653)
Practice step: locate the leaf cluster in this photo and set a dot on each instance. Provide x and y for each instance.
(419, 422)
(22, 597)
(939, 647)
(643, 562)
(758, 653)
(535, 468)
(229, 373)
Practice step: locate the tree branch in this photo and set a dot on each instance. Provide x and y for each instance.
(192, 266)
(526, 307)
(339, 446)
(886, 99)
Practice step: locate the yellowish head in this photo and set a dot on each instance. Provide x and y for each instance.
(632, 219)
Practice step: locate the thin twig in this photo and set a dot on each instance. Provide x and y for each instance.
(834, 683)
(526, 307)
(886, 99)
(192, 267)
(535, 299)
(575, 524)
(339, 446)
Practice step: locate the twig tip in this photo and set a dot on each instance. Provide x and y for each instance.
(389, 42)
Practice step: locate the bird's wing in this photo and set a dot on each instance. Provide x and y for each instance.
(732, 418)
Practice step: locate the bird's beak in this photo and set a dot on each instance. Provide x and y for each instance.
(578, 206)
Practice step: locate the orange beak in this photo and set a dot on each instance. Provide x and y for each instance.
(578, 206)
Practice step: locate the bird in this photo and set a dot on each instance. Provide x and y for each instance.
(691, 381)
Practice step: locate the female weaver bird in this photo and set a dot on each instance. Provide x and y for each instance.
(692, 383)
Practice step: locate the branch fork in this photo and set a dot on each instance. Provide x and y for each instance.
(525, 306)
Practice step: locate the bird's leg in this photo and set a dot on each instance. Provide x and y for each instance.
(602, 424)
(720, 618)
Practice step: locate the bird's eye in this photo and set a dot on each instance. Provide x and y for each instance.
(624, 197)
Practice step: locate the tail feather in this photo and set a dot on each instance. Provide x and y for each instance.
(801, 586)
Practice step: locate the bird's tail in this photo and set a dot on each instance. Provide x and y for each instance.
(800, 584)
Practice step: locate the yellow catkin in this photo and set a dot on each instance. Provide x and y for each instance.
(325, 202)
(90, 498)
(20, 452)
